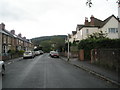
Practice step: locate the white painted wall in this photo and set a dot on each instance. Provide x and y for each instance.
(112, 23)
(79, 35)
(119, 19)
(90, 31)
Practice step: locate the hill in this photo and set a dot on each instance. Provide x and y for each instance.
(48, 43)
(38, 40)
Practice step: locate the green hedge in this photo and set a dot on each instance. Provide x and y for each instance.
(88, 44)
(99, 43)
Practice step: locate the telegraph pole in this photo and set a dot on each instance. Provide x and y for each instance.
(68, 49)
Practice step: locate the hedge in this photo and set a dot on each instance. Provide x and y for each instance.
(88, 44)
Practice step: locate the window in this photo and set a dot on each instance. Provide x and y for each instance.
(113, 30)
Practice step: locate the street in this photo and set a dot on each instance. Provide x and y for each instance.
(46, 72)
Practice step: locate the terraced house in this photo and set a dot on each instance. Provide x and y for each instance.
(109, 25)
(9, 41)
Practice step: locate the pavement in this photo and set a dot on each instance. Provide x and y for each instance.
(12, 60)
(105, 74)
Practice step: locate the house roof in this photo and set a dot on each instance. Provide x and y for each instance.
(12, 35)
(8, 33)
(97, 23)
(81, 26)
(1, 31)
(74, 32)
(107, 19)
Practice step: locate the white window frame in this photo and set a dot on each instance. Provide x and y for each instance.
(113, 30)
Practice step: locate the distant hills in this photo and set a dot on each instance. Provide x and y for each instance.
(38, 40)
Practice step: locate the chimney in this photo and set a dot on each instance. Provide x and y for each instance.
(92, 20)
(12, 31)
(24, 37)
(2, 26)
(19, 35)
(86, 21)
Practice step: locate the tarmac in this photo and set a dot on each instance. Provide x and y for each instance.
(105, 74)
(102, 73)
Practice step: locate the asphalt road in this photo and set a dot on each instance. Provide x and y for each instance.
(46, 72)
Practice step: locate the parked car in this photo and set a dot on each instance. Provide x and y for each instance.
(2, 68)
(41, 52)
(29, 54)
(37, 53)
(54, 54)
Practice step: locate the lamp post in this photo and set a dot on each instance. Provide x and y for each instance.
(68, 49)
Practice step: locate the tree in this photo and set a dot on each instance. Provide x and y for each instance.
(89, 2)
(98, 35)
(46, 45)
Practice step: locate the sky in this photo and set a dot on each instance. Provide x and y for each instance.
(36, 18)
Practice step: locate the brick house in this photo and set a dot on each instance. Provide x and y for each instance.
(10, 41)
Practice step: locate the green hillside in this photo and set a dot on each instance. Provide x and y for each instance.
(38, 40)
(48, 43)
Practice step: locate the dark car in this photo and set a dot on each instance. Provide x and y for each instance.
(54, 54)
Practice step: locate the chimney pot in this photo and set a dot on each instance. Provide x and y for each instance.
(24, 37)
(86, 21)
(92, 20)
(12, 31)
(19, 35)
(2, 26)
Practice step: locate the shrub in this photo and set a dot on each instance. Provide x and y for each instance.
(88, 44)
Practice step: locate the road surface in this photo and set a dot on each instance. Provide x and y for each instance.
(46, 72)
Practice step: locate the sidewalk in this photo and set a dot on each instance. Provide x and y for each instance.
(103, 73)
(12, 60)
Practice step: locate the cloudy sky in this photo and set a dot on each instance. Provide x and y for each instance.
(35, 18)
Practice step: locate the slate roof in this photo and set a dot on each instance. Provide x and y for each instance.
(74, 32)
(6, 32)
(106, 20)
(1, 31)
(97, 23)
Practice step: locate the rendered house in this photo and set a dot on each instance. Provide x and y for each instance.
(11, 41)
(109, 26)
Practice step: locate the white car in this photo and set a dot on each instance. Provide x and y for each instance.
(41, 52)
(37, 53)
(2, 67)
(54, 54)
(29, 54)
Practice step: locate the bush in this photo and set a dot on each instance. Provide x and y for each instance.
(20, 53)
(99, 43)
(89, 44)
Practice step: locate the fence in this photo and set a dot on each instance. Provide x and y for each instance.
(109, 58)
